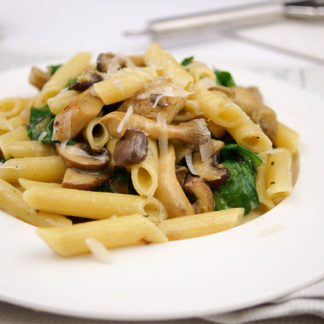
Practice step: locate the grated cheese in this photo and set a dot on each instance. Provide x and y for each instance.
(129, 112)
(190, 165)
(98, 249)
(42, 136)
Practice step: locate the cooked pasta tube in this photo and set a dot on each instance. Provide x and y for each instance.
(145, 174)
(22, 149)
(250, 135)
(96, 133)
(5, 125)
(201, 224)
(112, 233)
(123, 84)
(199, 71)
(11, 202)
(26, 184)
(261, 183)
(61, 100)
(74, 67)
(10, 107)
(194, 131)
(287, 138)
(279, 179)
(221, 110)
(42, 168)
(17, 121)
(91, 204)
(74, 118)
(169, 191)
(167, 65)
(18, 134)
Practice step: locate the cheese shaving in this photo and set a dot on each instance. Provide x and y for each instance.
(122, 123)
(41, 136)
(98, 249)
(205, 150)
(158, 98)
(190, 165)
(163, 140)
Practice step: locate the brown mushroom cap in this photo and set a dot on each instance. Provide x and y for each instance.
(86, 80)
(215, 174)
(197, 188)
(83, 180)
(131, 148)
(38, 78)
(81, 156)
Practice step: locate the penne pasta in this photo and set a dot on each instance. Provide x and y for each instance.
(90, 204)
(112, 233)
(75, 66)
(201, 224)
(145, 174)
(11, 202)
(42, 168)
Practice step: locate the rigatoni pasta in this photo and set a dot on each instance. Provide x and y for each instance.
(137, 150)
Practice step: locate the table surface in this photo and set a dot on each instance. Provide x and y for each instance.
(33, 31)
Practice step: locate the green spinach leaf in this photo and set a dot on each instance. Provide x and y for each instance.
(40, 126)
(224, 78)
(240, 191)
(187, 61)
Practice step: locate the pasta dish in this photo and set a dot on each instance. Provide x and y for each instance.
(134, 150)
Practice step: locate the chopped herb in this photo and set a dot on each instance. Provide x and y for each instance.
(224, 78)
(41, 124)
(70, 83)
(53, 68)
(187, 61)
(105, 187)
(240, 191)
(120, 182)
(272, 182)
(2, 160)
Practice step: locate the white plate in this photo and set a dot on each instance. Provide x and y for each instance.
(254, 263)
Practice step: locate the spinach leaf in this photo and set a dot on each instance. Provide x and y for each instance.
(53, 68)
(2, 160)
(240, 191)
(224, 78)
(187, 61)
(41, 124)
(106, 187)
(242, 153)
(120, 182)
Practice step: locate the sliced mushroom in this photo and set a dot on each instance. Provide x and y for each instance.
(181, 174)
(38, 78)
(131, 148)
(197, 190)
(192, 132)
(74, 117)
(210, 170)
(105, 60)
(79, 179)
(81, 156)
(86, 80)
(251, 102)
(159, 96)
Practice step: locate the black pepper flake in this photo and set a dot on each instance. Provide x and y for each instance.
(258, 137)
(272, 162)
(272, 182)
(57, 123)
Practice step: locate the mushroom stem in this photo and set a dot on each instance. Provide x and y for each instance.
(75, 116)
(193, 132)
